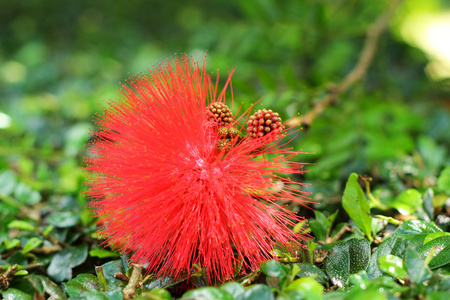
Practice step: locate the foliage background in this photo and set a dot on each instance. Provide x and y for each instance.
(61, 60)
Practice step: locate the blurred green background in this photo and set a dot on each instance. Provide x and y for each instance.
(61, 60)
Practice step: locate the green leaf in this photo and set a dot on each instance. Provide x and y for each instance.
(310, 288)
(26, 195)
(407, 201)
(22, 225)
(21, 273)
(17, 258)
(330, 221)
(443, 182)
(47, 230)
(273, 268)
(155, 294)
(11, 244)
(334, 295)
(81, 284)
(415, 266)
(355, 204)
(310, 270)
(392, 265)
(44, 285)
(438, 295)
(318, 229)
(259, 292)
(60, 267)
(111, 268)
(15, 294)
(433, 236)
(442, 255)
(7, 182)
(32, 243)
(347, 258)
(391, 245)
(234, 289)
(63, 219)
(416, 231)
(372, 293)
(208, 293)
(102, 253)
(428, 203)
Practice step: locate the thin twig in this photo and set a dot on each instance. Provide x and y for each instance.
(32, 266)
(338, 235)
(6, 277)
(129, 292)
(101, 278)
(365, 59)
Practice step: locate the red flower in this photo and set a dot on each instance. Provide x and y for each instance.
(166, 193)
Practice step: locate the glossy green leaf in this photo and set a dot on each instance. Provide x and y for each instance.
(81, 284)
(155, 294)
(442, 255)
(63, 219)
(347, 258)
(433, 236)
(259, 292)
(392, 265)
(208, 293)
(416, 231)
(111, 268)
(372, 293)
(355, 204)
(310, 288)
(392, 245)
(311, 270)
(273, 268)
(22, 225)
(32, 243)
(45, 285)
(60, 267)
(234, 289)
(21, 273)
(15, 294)
(102, 253)
(415, 266)
(407, 201)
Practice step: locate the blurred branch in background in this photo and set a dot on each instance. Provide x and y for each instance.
(365, 58)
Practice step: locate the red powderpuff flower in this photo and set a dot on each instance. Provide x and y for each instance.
(164, 191)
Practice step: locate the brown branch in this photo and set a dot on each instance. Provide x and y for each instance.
(6, 277)
(365, 59)
(129, 292)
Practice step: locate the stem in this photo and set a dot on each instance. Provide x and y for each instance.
(307, 255)
(129, 292)
(101, 278)
(389, 219)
